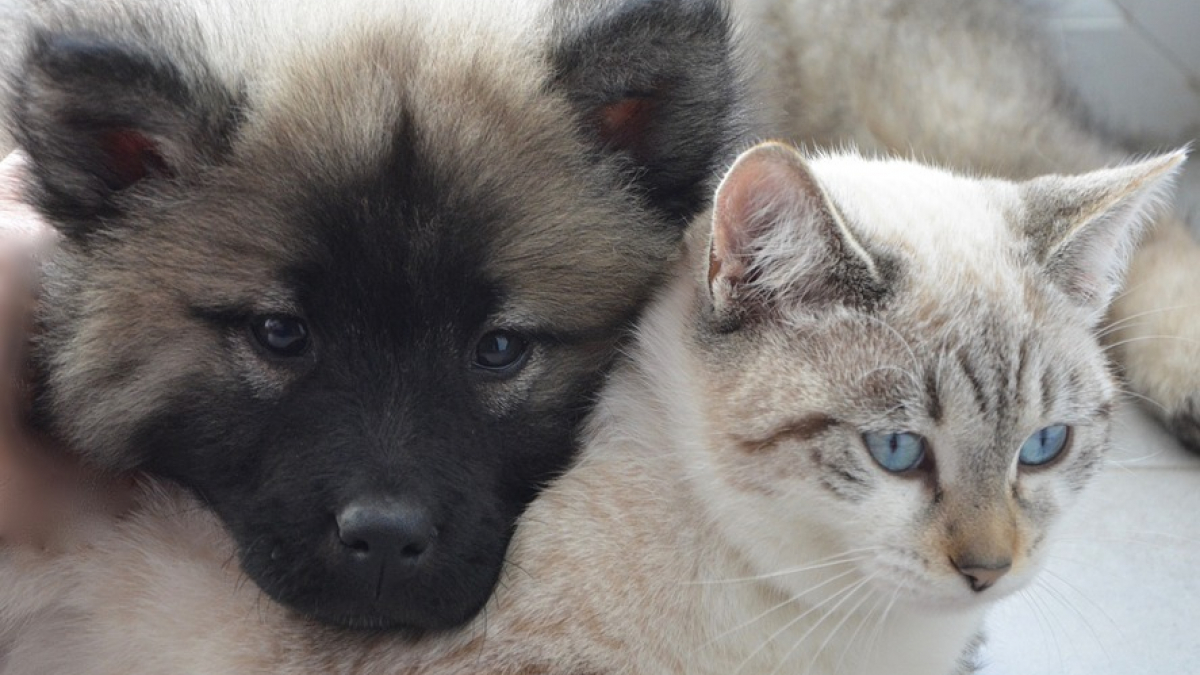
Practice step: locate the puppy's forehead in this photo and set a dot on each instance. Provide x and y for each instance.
(433, 165)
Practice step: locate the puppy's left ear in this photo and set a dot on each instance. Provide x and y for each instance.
(655, 84)
(100, 120)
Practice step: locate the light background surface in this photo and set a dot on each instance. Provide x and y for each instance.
(1121, 594)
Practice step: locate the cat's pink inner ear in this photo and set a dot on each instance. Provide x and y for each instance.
(763, 187)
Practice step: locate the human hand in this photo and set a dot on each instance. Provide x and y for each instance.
(41, 487)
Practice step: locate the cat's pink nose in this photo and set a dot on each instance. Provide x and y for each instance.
(981, 574)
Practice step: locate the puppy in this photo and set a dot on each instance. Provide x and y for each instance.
(354, 278)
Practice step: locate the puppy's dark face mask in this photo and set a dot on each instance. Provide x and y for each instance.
(363, 329)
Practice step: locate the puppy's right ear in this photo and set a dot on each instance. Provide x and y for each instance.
(656, 86)
(102, 121)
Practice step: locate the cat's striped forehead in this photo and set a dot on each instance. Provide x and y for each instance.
(993, 381)
(949, 232)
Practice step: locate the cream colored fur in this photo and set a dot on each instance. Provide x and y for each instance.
(971, 85)
(705, 530)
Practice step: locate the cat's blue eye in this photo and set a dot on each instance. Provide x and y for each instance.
(897, 452)
(1045, 444)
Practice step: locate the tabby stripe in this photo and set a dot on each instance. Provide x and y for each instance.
(981, 397)
(803, 429)
(1047, 389)
(931, 393)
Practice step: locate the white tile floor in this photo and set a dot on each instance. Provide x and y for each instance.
(1121, 594)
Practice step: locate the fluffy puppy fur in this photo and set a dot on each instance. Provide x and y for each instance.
(354, 277)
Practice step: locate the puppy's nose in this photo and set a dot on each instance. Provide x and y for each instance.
(981, 574)
(381, 529)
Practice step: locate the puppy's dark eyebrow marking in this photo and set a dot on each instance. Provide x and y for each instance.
(621, 324)
(222, 316)
(579, 336)
(803, 429)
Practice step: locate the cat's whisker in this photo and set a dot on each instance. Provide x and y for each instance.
(1089, 565)
(1130, 461)
(911, 375)
(1179, 539)
(912, 354)
(880, 599)
(1126, 462)
(1104, 334)
(788, 655)
(771, 610)
(1127, 290)
(1124, 426)
(1142, 397)
(1124, 321)
(843, 558)
(1044, 621)
(843, 592)
(1043, 582)
(1140, 338)
(834, 631)
(877, 633)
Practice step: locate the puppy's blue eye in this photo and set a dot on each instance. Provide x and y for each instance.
(1045, 445)
(896, 452)
(501, 350)
(281, 335)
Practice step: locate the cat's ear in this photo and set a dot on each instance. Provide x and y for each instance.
(100, 119)
(778, 240)
(1083, 229)
(655, 86)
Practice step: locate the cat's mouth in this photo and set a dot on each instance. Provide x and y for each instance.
(913, 580)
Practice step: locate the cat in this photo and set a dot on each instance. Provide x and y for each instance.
(846, 427)
(976, 86)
